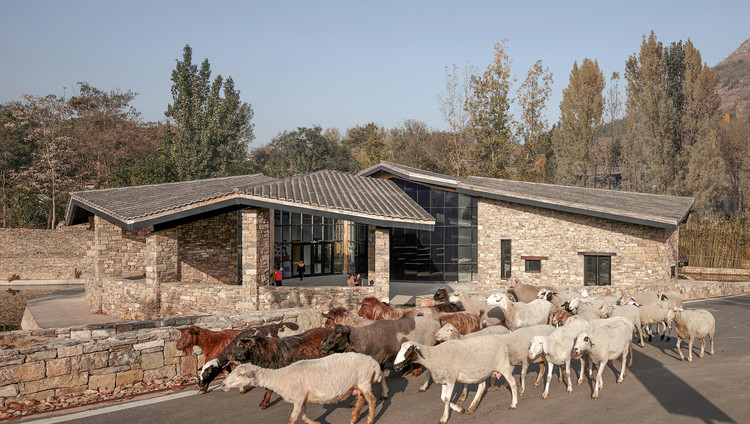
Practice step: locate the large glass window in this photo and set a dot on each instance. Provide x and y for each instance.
(449, 252)
(316, 240)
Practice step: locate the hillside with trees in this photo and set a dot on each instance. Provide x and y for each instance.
(733, 81)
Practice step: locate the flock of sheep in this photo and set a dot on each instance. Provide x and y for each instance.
(462, 339)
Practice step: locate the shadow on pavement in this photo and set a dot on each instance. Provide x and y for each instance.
(673, 393)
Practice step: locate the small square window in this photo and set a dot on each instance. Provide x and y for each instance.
(533, 265)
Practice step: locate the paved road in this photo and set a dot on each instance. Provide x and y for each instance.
(658, 388)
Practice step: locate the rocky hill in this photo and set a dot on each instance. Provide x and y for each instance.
(733, 80)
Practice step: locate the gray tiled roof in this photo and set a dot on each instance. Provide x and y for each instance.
(334, 190)
(647, 209)
(131, 203)
(411, 174)
(328, 193)
(640, 208)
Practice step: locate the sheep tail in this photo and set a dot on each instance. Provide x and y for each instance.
(377, 375)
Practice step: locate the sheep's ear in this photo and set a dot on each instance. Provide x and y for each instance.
(247, 340)
(419, 351)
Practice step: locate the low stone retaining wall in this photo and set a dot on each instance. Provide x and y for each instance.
(109, 355)
(125, 299)
(691, 290)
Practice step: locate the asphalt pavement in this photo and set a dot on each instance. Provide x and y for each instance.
(658, 388)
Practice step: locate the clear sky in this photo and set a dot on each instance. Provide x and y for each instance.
(335, 63)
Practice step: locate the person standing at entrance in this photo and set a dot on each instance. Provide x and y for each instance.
(301, 269)
(278, 276)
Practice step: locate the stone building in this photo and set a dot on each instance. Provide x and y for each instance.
(206, 246)
(487, 230)
(209, 246)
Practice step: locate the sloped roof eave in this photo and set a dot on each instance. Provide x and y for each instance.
(546, 203)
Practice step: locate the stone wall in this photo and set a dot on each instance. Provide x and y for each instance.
(208, 250)
(192, 299)
(319, 298)
(111, 355)
(642, 255)
(58, 254)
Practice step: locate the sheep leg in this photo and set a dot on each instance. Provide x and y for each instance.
(481, 388)
(703, 347)
(426, 384)
(445, 396)
(545, 393)
(622, 367)
(305, 418)
(679, 340)
(508, 373)
(524, 368)
(358, 408)
(560, 369)
(384, 394)
(569, 388)
(266, 400)
(640, 334)
(540, 376)
(371, 407)
(690, 349)
(630, 358)
(711, 338)
(599, 383)
(583, 369)
(296, 411)
(464, 393)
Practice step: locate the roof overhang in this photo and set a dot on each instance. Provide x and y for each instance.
(572, 208)
(408, 174)
(78, 212)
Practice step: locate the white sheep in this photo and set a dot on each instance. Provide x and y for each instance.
(493, 315)
(518, 346)
(691, 325)
(519, 314)
(641, 297)
(324, 380)
(606, 343)
(628, 311)
(675, 298)
(450, 332)
(558, 348)
(558, 299)
(464, 361)
(593, 304)
(653, 313)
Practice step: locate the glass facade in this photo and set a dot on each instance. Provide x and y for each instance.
(317, 240)
(449, 252)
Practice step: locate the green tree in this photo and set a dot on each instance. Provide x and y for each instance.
(300, 152)
(532, 129)
(649, 150)
(490, 119)
(580, 122)
(208, 133)
(366, 143)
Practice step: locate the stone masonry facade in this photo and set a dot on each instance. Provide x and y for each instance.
(124, 290)
(641, 254)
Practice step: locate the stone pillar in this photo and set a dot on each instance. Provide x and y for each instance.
(256, 249)
(106, 242)
(379, 258)
(162, 266)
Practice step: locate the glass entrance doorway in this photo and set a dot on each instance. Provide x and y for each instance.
(320, 258)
